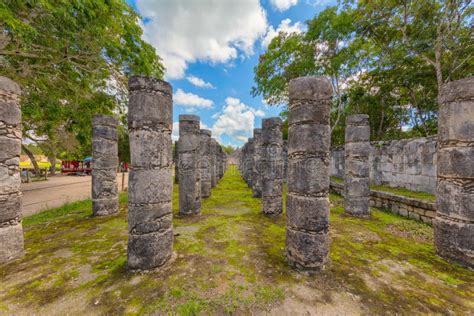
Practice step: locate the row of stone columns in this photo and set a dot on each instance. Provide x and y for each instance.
(202, 162)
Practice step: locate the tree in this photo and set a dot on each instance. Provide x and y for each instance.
(72, 59)
(385, 58)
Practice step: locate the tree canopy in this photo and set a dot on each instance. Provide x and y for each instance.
(384, 58)
(72, 59)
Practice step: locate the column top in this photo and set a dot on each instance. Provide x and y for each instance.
(103, 119)
(257, 131)
(189, 117)
(205, 132)
(310, 88)
(462, 89)
(8, 85)
(357, 119)
(149, 83)
(271, 122)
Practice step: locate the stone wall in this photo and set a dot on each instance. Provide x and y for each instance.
(406, 163)
(407, 207)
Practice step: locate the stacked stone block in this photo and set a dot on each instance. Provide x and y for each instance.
(356, 179)
(11, 230)
(214, 176)
(150, 113)
(189, 170)
(307, 202)
(105, 163)
(205, 162)
(257, 164)
(272, 177)
(454, 223)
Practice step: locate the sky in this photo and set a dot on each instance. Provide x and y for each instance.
(210, 48)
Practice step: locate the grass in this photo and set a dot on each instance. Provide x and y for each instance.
(397, 191)
(230, 259)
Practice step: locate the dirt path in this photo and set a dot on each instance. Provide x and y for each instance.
(57, 191)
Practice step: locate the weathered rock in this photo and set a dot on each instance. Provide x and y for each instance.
(214, 175)
(454, 222)
(150, 109)
(105, 163)
(272, 160)
(205, 162)
(307, 203)
(356, 179)
(11, 230)
(257, 162)
(189, 171)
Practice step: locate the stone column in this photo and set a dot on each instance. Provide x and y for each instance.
(205, 162)
(175, 161)
(454, 222)
(150, 113)
(307, 200)
(250, 161)
(356, 161)
(189, 173)
(214, 145)
(272, 177)
(257, 162)
(11, 230)
(104, 167)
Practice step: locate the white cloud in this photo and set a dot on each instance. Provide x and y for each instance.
(191, 100)
(283, 5)
(216, 31)
(285, 27)
(198, 82)
(236, 120)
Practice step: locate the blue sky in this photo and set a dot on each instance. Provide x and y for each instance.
(210, 48)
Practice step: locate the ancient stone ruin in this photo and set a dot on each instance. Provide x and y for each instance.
(307, 202)
(189, 167)
(257, 162)
(150, 113)
(205, 162)
(105, 163)
(214, 176)
(356, 179)
(454, 224)
(11, 230)
(272, 160)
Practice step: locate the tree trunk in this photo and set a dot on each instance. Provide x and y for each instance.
(32, 158)
(52, 169)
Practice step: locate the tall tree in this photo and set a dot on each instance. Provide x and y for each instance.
(72, 59)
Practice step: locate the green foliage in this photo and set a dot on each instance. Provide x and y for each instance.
(229, 149)
(72, 59)
(387, 59)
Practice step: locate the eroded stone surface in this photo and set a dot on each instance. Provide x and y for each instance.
(205, 162)
(189, 165)
(454, 223)
(257, 162)
(11, 231)
(150, 239)
(356, 179)
(272, 161)
(104, 168)
(307, 204)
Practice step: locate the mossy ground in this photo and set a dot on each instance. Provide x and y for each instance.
(230, 259)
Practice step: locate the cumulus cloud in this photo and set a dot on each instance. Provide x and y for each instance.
(198, 82)
(283, 5)
(191, 100)
(285, 27)
(236, 120)
(215, 31)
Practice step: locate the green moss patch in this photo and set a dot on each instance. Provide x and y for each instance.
(230, 259)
